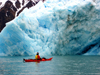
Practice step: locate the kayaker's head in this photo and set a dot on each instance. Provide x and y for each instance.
(37, 53)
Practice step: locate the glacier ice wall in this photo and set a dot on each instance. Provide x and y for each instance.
(54, 28)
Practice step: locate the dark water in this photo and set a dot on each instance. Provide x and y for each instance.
(60, 65)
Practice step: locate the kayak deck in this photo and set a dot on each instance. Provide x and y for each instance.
(34, 60)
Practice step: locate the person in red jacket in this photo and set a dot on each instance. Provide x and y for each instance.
(37, 56)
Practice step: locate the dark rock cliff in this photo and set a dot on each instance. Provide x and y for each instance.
(8, 11)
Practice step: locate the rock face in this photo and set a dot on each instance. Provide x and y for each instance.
(8, 11)
(28, 5)
(17, 3)
(0, 3)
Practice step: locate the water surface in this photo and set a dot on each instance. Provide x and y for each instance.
(60, 65)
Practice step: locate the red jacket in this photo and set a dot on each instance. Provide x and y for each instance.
(39, 57)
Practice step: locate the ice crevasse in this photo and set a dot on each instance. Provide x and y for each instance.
(54, 28)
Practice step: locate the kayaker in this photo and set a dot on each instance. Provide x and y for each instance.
(37, 56)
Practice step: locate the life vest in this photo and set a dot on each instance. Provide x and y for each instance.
(37, 57)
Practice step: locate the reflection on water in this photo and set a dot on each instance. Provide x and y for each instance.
(60, 65)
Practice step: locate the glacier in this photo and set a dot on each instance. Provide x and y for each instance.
(55, 27)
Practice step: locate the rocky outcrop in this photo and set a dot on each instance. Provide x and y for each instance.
(17, 3)
(28, 5)
(0, 3)
(23, 2)
(8, 11)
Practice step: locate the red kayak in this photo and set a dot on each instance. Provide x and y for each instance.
(34, 60)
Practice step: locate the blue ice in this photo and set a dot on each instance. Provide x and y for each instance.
(56, 27)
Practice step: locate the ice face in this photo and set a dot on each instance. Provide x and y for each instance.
(54, 28)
